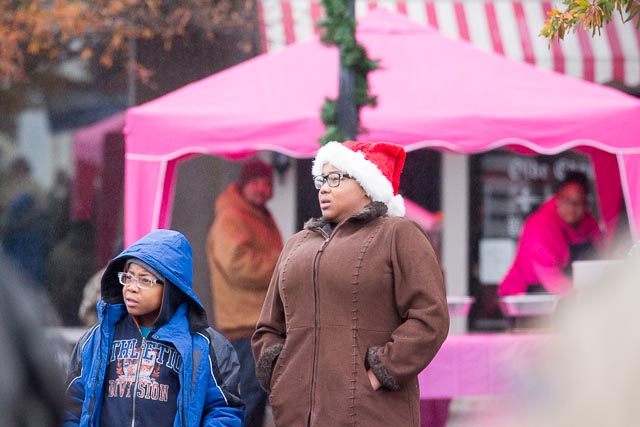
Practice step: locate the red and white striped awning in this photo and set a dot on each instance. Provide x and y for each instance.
(508, 27)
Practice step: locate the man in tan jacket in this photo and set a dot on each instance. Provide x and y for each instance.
(243, 246)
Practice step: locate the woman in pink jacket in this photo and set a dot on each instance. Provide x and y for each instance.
(561, 231)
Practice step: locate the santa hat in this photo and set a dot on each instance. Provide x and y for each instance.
(375, 165)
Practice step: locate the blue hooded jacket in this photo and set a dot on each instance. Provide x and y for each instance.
(209, 377)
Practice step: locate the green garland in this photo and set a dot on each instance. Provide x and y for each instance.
(339, 30)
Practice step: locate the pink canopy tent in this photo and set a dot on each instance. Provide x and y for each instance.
(433, 92)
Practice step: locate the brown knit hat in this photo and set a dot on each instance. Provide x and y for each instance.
(255, 169)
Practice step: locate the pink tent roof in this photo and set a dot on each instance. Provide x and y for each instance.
(87, 141)
(432, 91)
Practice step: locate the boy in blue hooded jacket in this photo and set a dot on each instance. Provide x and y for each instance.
(152, 360)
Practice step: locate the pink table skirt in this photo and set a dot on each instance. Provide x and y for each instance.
(479, 364)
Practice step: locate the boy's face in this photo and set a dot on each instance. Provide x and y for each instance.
(144, 304)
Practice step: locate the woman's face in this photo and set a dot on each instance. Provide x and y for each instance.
(572, 203)
(339, 203)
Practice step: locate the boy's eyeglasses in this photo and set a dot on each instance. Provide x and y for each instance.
(333, 179)
(141, 282)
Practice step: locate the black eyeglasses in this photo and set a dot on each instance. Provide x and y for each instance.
(333, 179)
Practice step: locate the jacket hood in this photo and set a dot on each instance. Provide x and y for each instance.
(168, 252)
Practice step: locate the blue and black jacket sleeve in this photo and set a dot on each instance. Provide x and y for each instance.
(223, 405)
(75, 387)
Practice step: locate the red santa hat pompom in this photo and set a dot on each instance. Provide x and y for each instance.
(376, 166)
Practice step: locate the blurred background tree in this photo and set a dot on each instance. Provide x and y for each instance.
(37, 35)
(53, 50)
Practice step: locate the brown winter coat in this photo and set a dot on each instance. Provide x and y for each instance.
(369, 295)
(243, 246)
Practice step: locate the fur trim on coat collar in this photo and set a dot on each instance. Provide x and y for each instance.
(370, 212)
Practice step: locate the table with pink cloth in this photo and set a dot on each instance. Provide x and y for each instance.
(475, 365)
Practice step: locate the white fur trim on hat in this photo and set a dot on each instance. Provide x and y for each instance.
(396, 206)
(374, 183)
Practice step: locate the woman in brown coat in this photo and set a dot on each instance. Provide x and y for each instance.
(356, 308)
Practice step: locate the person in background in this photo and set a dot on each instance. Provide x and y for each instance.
(87, 312)
(152, 359)
(243, 246)
(357, 306)
(58, 208)
(561, 231)
(31, 372)
(69, 265)
(23, 227)
(19, 180)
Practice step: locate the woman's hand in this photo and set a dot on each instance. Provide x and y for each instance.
(375, 384)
